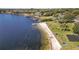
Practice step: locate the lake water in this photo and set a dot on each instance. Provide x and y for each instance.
(17, 32)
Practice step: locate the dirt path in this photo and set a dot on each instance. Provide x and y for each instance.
(54, 42)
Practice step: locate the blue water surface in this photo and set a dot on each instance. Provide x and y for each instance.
(17, 32)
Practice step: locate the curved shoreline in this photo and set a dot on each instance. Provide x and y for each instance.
(54, 42)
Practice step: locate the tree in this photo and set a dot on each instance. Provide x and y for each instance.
(68, 17)
(76, 28)
(76, 12)
(64, 27)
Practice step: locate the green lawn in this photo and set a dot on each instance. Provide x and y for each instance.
(61, 35)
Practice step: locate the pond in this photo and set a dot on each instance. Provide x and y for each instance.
(17, 32)
(73, 38)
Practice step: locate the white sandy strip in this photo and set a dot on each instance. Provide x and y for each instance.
(55, 44)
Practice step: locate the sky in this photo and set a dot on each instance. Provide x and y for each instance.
(39, 3)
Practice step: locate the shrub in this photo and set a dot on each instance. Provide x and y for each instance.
(45, 20)
(76, 28)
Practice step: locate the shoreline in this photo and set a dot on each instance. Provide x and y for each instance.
(54, 42)
(44, 39)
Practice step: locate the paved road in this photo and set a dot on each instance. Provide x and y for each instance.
(54, 42)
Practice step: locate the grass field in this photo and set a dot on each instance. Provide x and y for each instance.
(61, 35)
